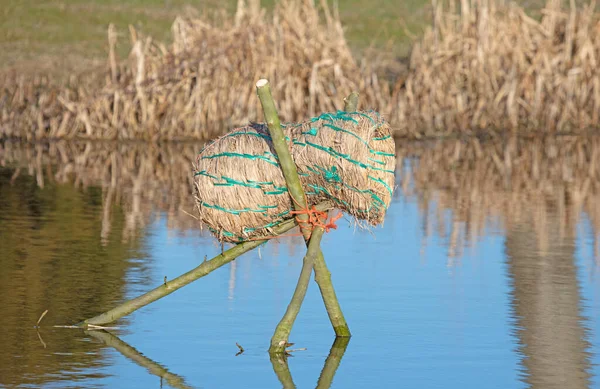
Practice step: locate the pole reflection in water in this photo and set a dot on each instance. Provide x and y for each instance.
(135, 356)
(278, 361)
(336, 353)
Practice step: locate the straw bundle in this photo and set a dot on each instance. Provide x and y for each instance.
(345, 157)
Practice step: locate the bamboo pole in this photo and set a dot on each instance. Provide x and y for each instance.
(322, 274)
(184, 279)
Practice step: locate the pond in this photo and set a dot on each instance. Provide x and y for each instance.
(485, 274)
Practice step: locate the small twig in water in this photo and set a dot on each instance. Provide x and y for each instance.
(95, 327)
(189, 214)
(58, 326)
(295, 349)
(240, 347)
(41, 340)
(88, 326)
(40, 319)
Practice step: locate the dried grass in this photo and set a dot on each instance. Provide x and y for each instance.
(345, 157)
(203, 82)
(490, 66)
(483, 66)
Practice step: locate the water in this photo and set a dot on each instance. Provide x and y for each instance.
(479, 277)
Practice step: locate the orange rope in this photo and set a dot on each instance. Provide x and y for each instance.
(315, 219)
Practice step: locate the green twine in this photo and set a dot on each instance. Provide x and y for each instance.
(248, 230)
(264, 157)
(377, 161)
(339, 115)
(262, 209)
(250, 133)
(346, 131)
(313, 131)
(249, 184)
(379, 180)
(204, 173)
(335, 153)
(382, 153)
(383, 137)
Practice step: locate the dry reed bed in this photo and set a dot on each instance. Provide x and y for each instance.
(491, 66)
(203, 82)
(483, 66)
(467, 187)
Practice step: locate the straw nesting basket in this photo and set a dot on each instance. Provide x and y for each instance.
(346, 157)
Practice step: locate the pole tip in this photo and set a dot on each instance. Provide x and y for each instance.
(262, 82)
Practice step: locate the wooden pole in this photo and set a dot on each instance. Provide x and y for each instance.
(351, 102)
(184, 279)
(284, 328)
(322, 275)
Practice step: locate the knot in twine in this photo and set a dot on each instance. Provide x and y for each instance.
(315, 218)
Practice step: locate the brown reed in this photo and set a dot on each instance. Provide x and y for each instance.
(489, 66)
(200, 84)
(345, 157)
(482, 67)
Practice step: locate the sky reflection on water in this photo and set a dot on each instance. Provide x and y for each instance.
(518, 307)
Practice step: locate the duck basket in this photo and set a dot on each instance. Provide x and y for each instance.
(345, 157)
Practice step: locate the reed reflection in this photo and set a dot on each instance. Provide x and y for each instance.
(534, 192)
(51, 260)
(141, 178)
(466, 189)
(547, 307)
